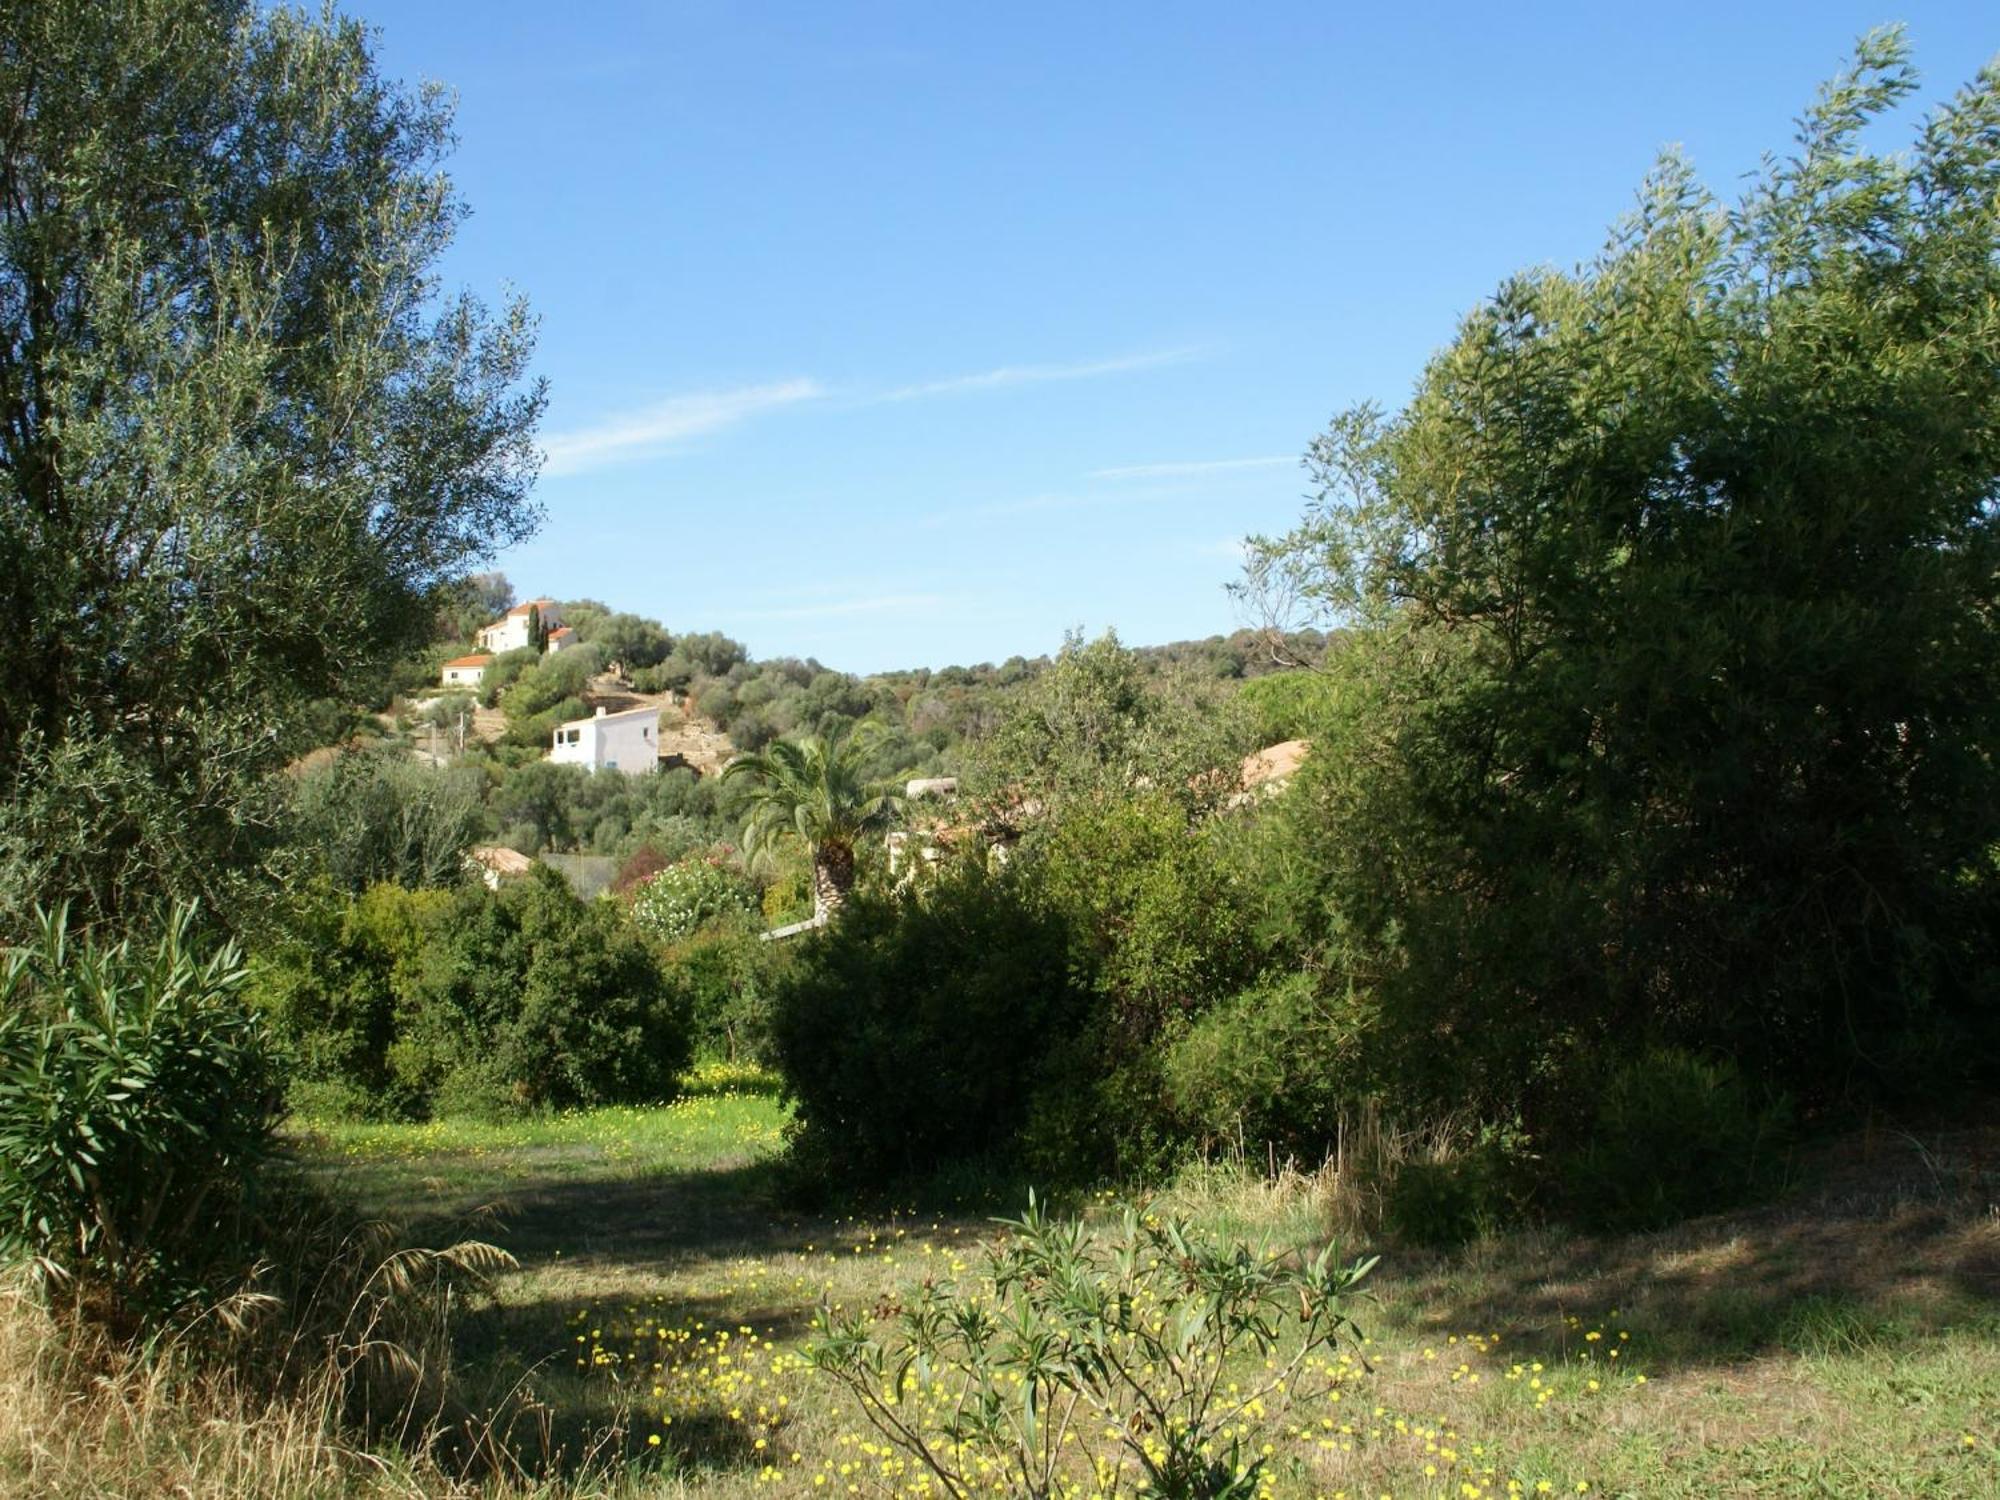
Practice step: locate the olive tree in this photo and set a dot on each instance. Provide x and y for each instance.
(245, 440)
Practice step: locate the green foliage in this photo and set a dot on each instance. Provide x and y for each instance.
(475, 1002)
(1094, 728)
(817, 791)
(709, 655)
(1157, 933)
(543, 797)
(334, 983)
(915, 1033)
(1285, 705)
(504, 671)
(466, 604)
(549, 681)
(1671, 703)
(1102, 1361)
(379, 816)
(1446, 1201)
(540, 804)
(1671, 1135)
(689, 895)
(136, 1105)
(244, 441)
(632, 641)
(725, 977)
(1271, 1065)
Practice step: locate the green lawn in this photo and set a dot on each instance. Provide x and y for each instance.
(1842, 1344)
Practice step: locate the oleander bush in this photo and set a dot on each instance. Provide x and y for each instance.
(1153, 1358)
(137, 1100)
(690, 894)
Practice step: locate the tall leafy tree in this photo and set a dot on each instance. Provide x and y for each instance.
(243, 436)
(1675, 706)
(816, 789)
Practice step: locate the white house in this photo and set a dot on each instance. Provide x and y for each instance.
(466, 671)
(560, 639)
(513, 632)
(627, 742)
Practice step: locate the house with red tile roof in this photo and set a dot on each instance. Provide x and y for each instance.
(466, 671)
(515, 630)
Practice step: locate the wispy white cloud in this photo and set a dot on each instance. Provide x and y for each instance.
(1014, 375)
(873, 604)
(642, 433)
(1193, 470)
(650, 430)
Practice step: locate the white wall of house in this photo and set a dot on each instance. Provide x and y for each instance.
(467, 676)
(511, 631)
(628, 742)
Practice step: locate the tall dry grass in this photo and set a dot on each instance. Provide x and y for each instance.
(328, 1373)
(1346, 1195)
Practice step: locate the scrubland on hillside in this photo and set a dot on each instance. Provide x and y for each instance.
(1519, 1021)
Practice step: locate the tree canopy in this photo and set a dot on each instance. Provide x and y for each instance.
(1673, 702)
(244, 438)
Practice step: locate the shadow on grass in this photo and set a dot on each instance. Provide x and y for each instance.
(590, 1250)
(1804, 1280)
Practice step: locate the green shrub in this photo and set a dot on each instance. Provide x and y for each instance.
(137, 1098)
(1158, 933)
(690, 894)
(473, 1002)
(725, 976)
(913, 1033)
(332, 985)
(1672, 1135)
(1102, 1354)
(1442, 1203)
(531, 999)
(1271, 1065)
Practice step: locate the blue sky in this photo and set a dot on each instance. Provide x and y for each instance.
(909, 334)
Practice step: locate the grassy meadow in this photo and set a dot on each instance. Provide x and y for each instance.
(1845, 1341)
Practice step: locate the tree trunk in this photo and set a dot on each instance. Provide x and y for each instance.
(833, 878)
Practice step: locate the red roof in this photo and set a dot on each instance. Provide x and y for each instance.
(477, 659)
(559, 630)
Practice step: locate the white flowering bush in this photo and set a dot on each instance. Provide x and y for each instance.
(688, 895)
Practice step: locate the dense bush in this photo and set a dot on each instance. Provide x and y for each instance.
(1671, 705)
(472, 1001)
(1158, 933)
(1670, 1135)
(137, 1097)
(691, 894)
(540, 804)
(912, 1033)
(1270, 1066)
(551, 680)
(335, 982)
(725, 978)
(379, 816)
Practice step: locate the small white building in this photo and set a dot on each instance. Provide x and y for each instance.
(514, 630)
(466, 671)
(627, 742)
(560, 639)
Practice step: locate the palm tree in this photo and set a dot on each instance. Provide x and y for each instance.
(813, 788)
